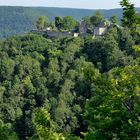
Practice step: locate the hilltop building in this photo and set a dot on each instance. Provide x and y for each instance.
(82, 27)
(83, 30)
(99, 31)
(102, 28)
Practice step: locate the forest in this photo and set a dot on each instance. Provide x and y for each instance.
(69, 88)
(20, 20)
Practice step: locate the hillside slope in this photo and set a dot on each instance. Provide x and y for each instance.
(19, 20)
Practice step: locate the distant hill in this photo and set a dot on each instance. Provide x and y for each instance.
(19, 20)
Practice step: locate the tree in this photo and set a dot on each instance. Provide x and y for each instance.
(44, 126)
(6, 132)
(138, 24)
(129, 14)
(64, 115)
(86, 20)
(66, 23)
(126, 40)
(96, 19)
(41, 23)
(53, 74)
(58, 22)
(45, 85)
(6, 67)
(45, 24)
(114, 19)
(137, 52)
(113, 110)
(52, 25)
(69, 23)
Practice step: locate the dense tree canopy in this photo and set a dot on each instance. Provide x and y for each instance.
(113, 110)
(65, 23)
(96, 19)
(71, 88)
(114, 19)
(129, 14)
(41, 23)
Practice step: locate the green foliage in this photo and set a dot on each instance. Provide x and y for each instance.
(53, 73)
(96, 19)
(6, 67)
(86, 20)
(44, 126)
(126, 40)
(65, 23)
(137, 52)
(112, 112)
(114, 19)
(41, 23)
(25, 17)
(70, 88)
(69, 23)
(61, 76)
(6, 132)
(58, 22)
(105, 52)
(129, 14)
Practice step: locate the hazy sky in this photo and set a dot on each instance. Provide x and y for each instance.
(87, 4)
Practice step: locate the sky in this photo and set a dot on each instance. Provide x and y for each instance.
(86, 4)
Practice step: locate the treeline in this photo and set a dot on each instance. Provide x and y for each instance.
(68, 23)
(16, 20)
(72, 88)
(19, 20)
